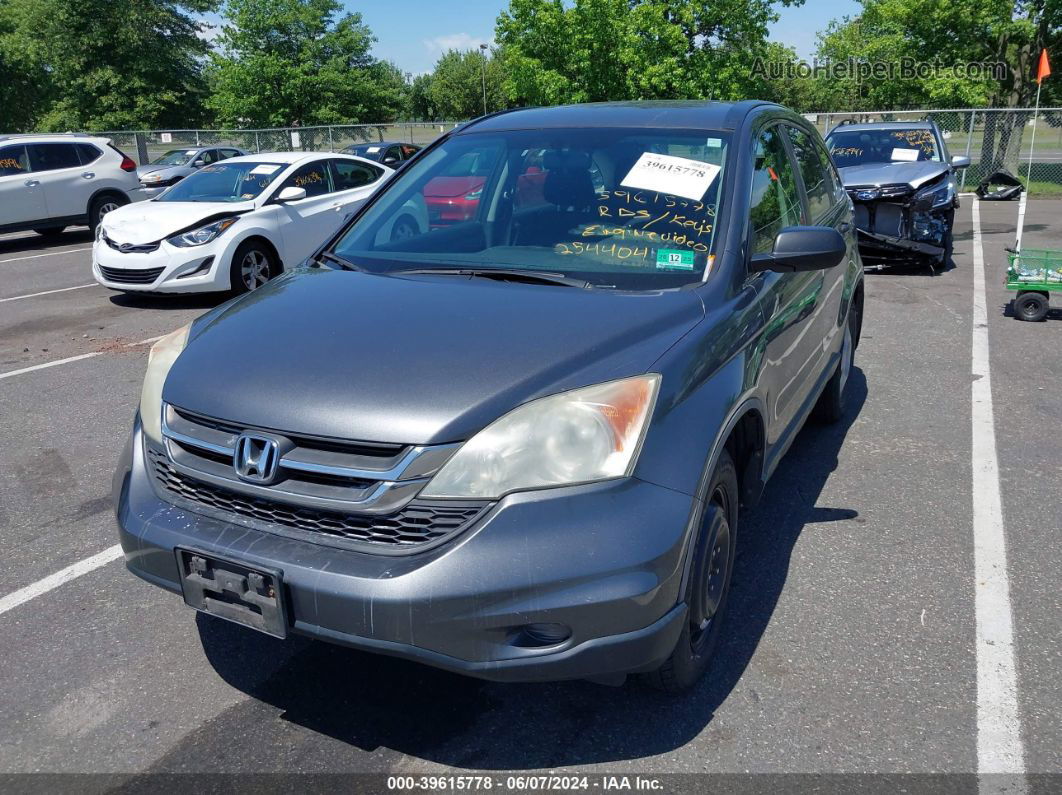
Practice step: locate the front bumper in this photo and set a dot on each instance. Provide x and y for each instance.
(605, 560)
(167, 269)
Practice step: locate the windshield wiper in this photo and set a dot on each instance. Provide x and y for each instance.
(505, 275)
(346, 265)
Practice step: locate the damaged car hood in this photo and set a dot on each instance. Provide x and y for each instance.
(915, 174)
(141, 223)
(413, 359)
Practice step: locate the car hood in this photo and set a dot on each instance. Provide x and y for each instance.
(413, 360)
(166, 172)
(914, 174)
(147, 222)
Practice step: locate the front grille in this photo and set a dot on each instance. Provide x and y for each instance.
(887, 192)
(414, 525)
(130, 248)
(127, 276)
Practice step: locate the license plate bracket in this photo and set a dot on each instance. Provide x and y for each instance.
(234, 591)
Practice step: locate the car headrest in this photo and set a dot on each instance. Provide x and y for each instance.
(568, 181)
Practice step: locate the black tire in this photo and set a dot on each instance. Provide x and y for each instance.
(949, 244)
(709, 584)
(1031, 307)
(263, 267)
(51, 233)
(404, 228)
(102, 205)
(830, 407)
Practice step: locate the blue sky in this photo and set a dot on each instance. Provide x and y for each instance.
(415, 33)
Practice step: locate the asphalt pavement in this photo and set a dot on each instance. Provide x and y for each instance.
(851, 645)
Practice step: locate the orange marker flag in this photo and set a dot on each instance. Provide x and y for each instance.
(1045, 67)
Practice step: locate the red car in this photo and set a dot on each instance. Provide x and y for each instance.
(454, 199)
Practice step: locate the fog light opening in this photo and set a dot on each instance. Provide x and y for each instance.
(204, 266)
(536, 635)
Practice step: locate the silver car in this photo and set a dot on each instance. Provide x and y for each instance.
(177, 164)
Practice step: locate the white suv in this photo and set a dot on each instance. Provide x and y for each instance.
(50, 182)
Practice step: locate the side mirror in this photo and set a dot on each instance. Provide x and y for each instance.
(291, 194)
(960, 161)
(389, 160)
(198, 164)
(803, 248)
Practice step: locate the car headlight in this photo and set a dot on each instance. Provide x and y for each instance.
(161, 358)
(940, 195)
(153, 177)
(588, 434)
(202, 235)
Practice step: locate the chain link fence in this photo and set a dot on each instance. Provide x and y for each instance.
(147, 145)
(993, 139)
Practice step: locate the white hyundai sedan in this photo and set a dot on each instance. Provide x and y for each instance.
(235, 224)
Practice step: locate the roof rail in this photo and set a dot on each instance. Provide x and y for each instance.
(11, 136)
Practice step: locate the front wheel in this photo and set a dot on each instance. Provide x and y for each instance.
(253, 265)
(404, 228)
(52, 233)
(708, 586)
(830, 407)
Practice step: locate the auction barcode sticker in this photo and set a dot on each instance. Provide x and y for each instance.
(678, 176)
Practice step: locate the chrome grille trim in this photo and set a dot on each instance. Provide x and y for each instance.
(311, 472)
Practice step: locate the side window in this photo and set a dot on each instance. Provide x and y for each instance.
(50, 157)
(347, 174)
(227, 153)
(392, 155)
(775, 201)
(313, 177)
(89, 153)
(816, 172)
(13, 160)
(208, 156)
(408, 150)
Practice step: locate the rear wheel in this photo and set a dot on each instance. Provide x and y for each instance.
(100, 206)
(708, 586)
(1031, 307)
(253, 265)
(51, 233)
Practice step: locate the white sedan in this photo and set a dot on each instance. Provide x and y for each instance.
(235, 224)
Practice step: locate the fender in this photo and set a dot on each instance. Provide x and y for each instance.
(751, 402)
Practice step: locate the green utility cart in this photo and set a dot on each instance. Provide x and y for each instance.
(1034, 274)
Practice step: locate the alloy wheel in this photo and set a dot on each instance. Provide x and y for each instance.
(254, 269)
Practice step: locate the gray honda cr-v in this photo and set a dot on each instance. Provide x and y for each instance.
(519, 443)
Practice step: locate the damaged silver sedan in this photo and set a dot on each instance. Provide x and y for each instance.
(902, 182)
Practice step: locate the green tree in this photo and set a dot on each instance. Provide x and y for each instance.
(457, 84)
(98, 64)
(595, 50)
(298, 62)
(421, 104)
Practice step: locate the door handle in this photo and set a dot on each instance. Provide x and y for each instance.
(32, 183)
(88, 174)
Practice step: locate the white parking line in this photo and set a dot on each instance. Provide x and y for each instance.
(48, 254)
(52, 581)
(70, 359)
(999, 744)
(48, 292)
(11, 373)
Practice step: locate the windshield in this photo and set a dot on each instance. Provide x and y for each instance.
(175, 157)
(626, 208)
(224, 182)
(859, 147)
